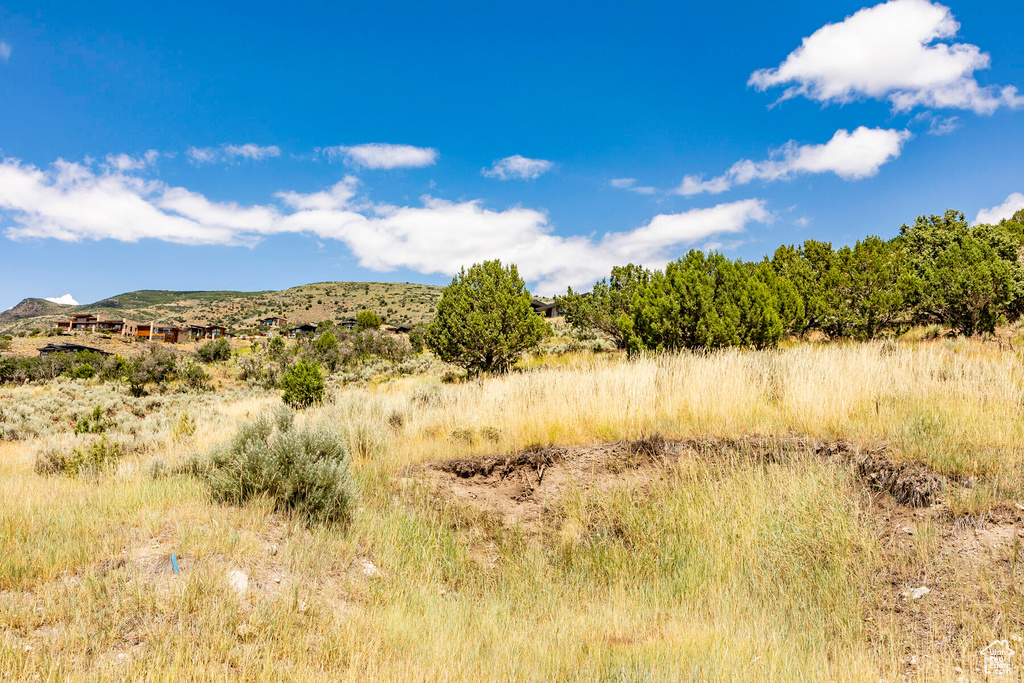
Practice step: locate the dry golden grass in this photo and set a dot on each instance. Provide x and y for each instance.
(731, 570)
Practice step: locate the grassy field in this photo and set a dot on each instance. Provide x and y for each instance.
(715, 562)
(398, 303)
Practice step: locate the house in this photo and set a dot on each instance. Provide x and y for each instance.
(196, 332)
(302, 330)
(545, 309)
(68, 348)
(166, 333)
(349, 324)
(90, 323)
(274, 322)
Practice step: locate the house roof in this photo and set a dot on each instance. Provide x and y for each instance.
(69, 348)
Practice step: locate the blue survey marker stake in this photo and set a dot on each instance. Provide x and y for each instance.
(174, 563)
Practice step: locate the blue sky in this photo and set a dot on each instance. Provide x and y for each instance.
(261, 146)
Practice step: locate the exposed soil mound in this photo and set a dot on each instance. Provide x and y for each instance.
(910, 484)
(519, 487)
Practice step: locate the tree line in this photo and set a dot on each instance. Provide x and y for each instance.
(939, 270)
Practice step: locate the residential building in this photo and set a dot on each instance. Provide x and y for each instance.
(90, 323)
(545, 309)
(301, 330)
(197, 332)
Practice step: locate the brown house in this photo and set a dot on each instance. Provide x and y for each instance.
(90, 323)
(197, 332)
(277, 321)
(166, 333)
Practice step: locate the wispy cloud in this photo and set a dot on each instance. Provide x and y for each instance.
(630, 184)
(5, 51)
(124, 162)
(228, 153)
(379, 155)
(517, 167)
(78, 201)
(851, 156)
(937, 125)
(892, 51)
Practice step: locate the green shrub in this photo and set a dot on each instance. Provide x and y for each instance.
(303, 385)
(94, 458)
(193, 376)
(5, 342)
(303, 470)
(367, 320)
(213, 351)
(84, 371)
(94, 423)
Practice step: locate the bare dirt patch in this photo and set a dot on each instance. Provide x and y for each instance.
(520, 487)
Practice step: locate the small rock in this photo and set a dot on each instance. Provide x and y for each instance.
(907, 530)
(1015, 637)
(957, 670)
(367, 568)
(919, 593)
(238, 581)
(302, 607)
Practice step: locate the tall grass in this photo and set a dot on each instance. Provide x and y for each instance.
(725, 570)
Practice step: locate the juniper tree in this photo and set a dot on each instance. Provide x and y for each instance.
(484, 320)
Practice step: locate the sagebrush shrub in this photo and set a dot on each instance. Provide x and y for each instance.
(94, 457)
(304, 470)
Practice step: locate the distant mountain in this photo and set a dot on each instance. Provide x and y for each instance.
(32, 308)
(396, 303)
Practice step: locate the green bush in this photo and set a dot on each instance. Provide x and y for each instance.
(94, 423)
(94, 458)
(193, 376)
(417, 338)
(5, 342)
(303, 470)
(367, 320)
(303, 385)
(213, 351)
(84, 371)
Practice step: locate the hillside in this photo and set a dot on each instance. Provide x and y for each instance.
(396, 303)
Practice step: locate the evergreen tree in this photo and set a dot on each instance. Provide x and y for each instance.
(484, 320)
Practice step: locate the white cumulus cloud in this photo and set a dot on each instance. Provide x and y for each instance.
(892, 51)
(5, 50)
(851, 156)
(66, 300)
(228, 153)
(379, 155)
(1013, 204)
(80, 201)
(517, 167)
